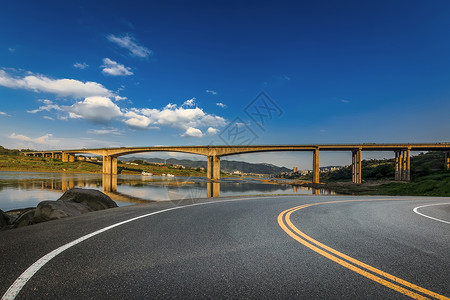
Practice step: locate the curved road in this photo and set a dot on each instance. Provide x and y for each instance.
(266, 247)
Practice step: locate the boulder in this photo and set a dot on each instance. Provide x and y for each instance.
(52, 210)
(5, 220)
(94, 199)
(73, 202)
(25, 218)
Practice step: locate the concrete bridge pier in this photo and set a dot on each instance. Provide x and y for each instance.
(406, 165)
(447, 160)
(316, 168)
(356, 166)
(402, 165)
(67, 157)
(213, 168)
(398, 165)
(109, 165)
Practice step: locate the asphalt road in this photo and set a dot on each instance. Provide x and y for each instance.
(242, 248)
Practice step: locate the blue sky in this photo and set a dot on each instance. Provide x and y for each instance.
(114, 73)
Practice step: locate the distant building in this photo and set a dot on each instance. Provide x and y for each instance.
(295, 169)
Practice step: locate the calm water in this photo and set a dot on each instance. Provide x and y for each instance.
(27, 189)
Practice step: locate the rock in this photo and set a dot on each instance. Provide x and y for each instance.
(94, 199)
(5, 220)
(73, 202)
(52, 210)
(25, 218)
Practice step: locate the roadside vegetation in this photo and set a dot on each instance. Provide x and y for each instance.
(435, 184)
(428, 178)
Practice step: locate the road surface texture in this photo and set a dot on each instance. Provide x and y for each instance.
(290, 247)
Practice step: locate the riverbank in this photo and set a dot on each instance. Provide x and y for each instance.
(437, 184)
(20, 163)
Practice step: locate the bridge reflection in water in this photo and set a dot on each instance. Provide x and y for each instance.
(143, 189)
(188, 187)
(176, 186)
(109, 184)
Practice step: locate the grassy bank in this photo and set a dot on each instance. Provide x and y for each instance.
(431, 185)
(429, 177)
(436, 184)
(40, 164)
(18, 162)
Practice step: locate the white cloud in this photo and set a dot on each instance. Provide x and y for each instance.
(103, 110)
(173, 116)
(95, 109)
(113, 131)
(2, 113)
(135, 120)
(12, 50)
(48, 141)
(211, 131)
(209, 120)
(40, 140)
(59, 87)
(193, 132)
(176, 117)
(211, 92)
(171, 106)
(113, 68)
(48, 106)
(119, 98)
(190, 102)
(219, 104)
(131, 45)
(345, 101)
(81, 66)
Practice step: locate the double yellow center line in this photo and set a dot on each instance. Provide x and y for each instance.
(357, 266)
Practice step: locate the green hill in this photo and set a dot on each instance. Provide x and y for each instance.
(421, 165)
(429, 177)
(225, 165)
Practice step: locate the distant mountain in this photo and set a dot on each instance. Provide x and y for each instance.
(225, 165)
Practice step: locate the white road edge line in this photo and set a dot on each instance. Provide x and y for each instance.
(20, 282)
(416, 210)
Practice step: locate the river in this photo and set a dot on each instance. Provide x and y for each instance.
(27, 189)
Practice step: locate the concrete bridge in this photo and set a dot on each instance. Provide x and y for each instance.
(214, 153)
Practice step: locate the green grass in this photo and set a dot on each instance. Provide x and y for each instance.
(435, 184)
(18, 162)
(431, 185)
(40, 164)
